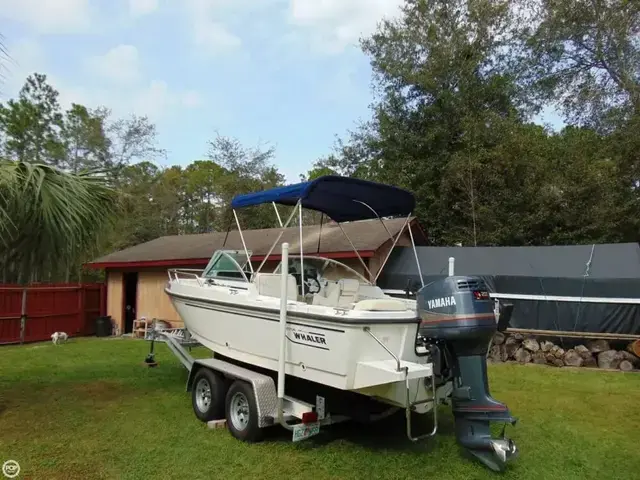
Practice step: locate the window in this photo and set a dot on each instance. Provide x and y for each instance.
(227, 264)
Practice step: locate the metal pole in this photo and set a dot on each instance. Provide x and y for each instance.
(451, 266)
(246, 252)
(275, 207)
(415, 253)
(284, 277)
(301, 257)
(382, 265)
(366, 269)
(273, 245)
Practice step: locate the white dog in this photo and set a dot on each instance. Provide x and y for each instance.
(58, 337)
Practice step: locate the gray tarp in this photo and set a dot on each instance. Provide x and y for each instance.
(611, 270)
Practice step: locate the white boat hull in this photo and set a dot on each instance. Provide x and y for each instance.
(335, 352)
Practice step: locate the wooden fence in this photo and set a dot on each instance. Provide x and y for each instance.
(34, 312)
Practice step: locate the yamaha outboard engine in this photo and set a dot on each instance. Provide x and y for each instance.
(457, 324)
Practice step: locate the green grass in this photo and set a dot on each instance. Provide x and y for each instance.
(89, 409)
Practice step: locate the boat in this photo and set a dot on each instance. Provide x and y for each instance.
(323, 325)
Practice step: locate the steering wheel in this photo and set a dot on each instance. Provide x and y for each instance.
(311, 285)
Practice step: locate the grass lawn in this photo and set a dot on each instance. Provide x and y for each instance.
(89, 409)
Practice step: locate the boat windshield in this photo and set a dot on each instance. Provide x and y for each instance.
(230, 264)
(320, 267)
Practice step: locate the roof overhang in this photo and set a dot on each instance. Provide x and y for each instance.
(197, 262)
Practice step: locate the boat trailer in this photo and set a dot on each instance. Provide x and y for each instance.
(214, 382)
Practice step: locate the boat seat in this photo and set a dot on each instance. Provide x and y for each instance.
(268, 284)
(342, 293)
(381, 304)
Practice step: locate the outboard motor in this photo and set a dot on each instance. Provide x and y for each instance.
(457, 323)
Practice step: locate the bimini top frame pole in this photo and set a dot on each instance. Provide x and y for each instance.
(343, 199)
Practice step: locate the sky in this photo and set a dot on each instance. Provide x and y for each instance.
(282, 73)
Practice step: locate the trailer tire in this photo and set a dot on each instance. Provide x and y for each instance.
(207, 395)
(242, 413)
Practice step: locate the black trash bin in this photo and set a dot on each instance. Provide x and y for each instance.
(103, 326)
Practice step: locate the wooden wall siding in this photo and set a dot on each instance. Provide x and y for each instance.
(114, 297)
(152, 300)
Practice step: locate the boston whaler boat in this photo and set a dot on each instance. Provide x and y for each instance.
(343, 348)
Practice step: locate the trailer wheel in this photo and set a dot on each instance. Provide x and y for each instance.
(207, 395)
(242, 413)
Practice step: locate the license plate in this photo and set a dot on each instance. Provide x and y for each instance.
(302, 431)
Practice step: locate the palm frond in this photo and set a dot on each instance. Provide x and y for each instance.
(49, 218)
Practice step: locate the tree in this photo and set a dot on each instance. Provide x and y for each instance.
(85, 142)
(247, 170)
(31, 124)
(49, 220)
(584, 55)
(59, 188)
(131, 139)
(443, 95)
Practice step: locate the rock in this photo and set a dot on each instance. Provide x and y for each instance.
(590, 362)
(583, 351)
(573, 359)
(546, 346)
(503, 353)
(558, 362)
(498, 338)
(550, 357)
(597, 346)
(558, 352)
(626, 366)
(518, 336)
(609, 359)
(510, 346)
(494, 353)
(631, 358)
(522, 355)
(539, 358)
(531, 344)
(511, 340)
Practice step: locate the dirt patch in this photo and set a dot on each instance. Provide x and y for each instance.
(36, 396)
(101, 390)
(70, 471)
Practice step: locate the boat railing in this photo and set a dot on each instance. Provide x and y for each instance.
(175, 273)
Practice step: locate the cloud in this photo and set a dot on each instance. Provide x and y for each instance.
(48, 16)
(139, 8)
(25, 57)
(154, 98)
(334, 25)
(121, 65)
(208, 31)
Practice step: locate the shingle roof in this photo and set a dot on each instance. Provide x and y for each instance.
(365, 235)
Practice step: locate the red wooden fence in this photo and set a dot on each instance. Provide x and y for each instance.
(69, 307)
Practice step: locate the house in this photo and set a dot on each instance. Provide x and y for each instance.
(136, 276)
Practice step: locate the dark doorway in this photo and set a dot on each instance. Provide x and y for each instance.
(130, 291)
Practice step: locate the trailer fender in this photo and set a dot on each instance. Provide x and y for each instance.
(262, 386)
